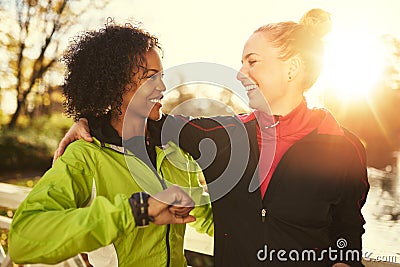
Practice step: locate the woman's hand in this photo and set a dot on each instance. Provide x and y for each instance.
(171, 206)
(80, 130)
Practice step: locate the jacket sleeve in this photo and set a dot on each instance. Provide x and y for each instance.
(53, 223)
(203, 211)
(347, 226)
(189, 132)
(204, 218)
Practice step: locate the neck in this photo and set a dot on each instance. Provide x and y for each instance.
(285, 106)
(131, 128)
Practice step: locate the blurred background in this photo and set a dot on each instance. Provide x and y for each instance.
(360, 83)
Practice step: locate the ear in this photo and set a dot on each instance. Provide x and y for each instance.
(294, 66)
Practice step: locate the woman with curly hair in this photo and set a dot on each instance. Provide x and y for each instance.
(114, 202)
(310, 172)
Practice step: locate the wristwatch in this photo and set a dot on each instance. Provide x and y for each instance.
(139, 204)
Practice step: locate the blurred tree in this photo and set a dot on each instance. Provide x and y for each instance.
(203, 100)
(30, 38)
(392, 71)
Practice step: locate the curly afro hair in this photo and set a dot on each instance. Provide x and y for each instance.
(100, 65)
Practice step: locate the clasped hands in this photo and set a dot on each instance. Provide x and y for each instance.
(171, 206)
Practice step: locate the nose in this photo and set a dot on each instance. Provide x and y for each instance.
(241, 75)
(161, 86)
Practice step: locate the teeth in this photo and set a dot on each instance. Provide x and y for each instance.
(155, 100)
(250, 87)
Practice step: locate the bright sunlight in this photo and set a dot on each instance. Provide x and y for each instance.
(354, 63)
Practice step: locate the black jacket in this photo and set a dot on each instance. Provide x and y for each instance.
(312, 204)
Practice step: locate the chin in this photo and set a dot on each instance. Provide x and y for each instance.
(260, 104)
(155, 116)
(252, 105)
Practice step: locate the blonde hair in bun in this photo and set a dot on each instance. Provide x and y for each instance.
(317, 21)
(303, 39)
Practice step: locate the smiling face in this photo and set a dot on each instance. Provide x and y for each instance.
(145, 101)
(143, 98)
(266, 77)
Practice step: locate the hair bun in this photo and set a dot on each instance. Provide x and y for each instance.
(317, 21)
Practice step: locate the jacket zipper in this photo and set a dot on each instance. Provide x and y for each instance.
(263, 214)
(164, 186)
(277, 134)
(168, 225)
(168, 246)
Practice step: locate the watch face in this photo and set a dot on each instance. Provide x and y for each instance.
(139, 205)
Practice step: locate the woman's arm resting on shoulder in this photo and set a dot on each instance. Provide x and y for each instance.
(80, 130)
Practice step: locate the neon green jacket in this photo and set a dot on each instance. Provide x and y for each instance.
(81, 205)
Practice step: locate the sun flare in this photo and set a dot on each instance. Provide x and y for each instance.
(354, 63)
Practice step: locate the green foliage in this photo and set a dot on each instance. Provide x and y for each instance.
(32, 144)
(32, 38)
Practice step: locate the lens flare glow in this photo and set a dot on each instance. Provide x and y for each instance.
(354, 63)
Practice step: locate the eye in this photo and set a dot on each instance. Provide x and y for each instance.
(252, 61)
(154, 77)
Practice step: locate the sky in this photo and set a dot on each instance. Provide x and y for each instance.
(216, 30)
